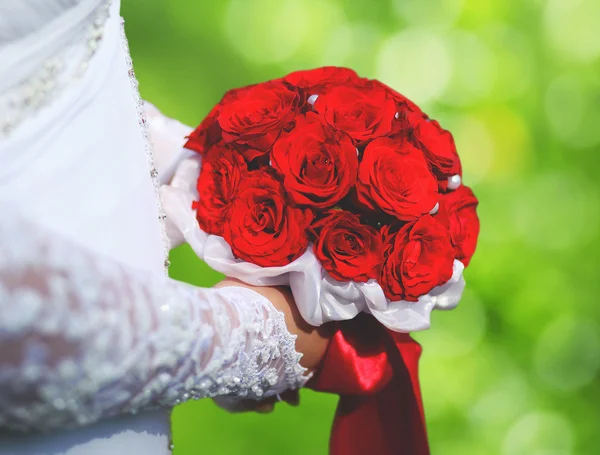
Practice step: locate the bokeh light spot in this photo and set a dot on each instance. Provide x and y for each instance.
(429, 12)
(474, 69)
(556, 211)
(460, 331)
(515, 61)
(478, 12)
(453, 384)
(417, 63)
(512, 141)
(504, 401)
(262, 30)
(572, 113)
(352, 45)
(475, 146)
(534, 298)
(572, 27)
(324, 19)
(437, 394)
(539, 433)
(566, 354)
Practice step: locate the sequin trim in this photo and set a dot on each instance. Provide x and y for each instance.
(139, 106)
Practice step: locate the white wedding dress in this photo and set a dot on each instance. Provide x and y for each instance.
(97, 344)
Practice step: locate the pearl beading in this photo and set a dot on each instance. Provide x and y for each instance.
(139, 106)
(55, 74)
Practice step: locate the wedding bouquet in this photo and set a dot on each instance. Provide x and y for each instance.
(343, 189)
(340, 187)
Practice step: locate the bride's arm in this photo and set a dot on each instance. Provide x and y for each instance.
(83, 337)
(168, 136)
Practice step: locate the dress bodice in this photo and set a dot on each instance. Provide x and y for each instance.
(74, 155)
(71, 124)
(19, 19)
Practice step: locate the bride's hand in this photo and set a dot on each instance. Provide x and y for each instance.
(291, 397)
(311, 341)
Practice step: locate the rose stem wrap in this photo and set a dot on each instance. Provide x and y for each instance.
(375, 372)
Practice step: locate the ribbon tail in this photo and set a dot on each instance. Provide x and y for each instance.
(380, 411)
(405, 361)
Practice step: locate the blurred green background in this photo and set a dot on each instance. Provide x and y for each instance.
(514, 370)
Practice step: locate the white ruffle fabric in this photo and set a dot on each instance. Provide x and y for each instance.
(319, 297)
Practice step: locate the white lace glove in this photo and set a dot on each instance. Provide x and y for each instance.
(83, 337)
(167, 137)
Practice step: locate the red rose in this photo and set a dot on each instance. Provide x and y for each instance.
(417, 259)
(347, 249)
(316, 80)
(364, 110)
(235, 93)
(263, 228)
(394, 177)
(319, 164)
(206, 135)
(458, 213)
(438, 146)
(221, 173)
(256, 117)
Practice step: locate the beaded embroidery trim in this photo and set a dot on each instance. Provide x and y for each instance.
(55, 75)
(139, 106)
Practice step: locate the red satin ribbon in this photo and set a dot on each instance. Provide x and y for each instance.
(375, 372)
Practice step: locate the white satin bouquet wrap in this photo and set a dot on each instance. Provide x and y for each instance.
(319, 297)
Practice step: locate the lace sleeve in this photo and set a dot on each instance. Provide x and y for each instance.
(83, 338)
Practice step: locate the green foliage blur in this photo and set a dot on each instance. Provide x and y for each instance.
(513, 370)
